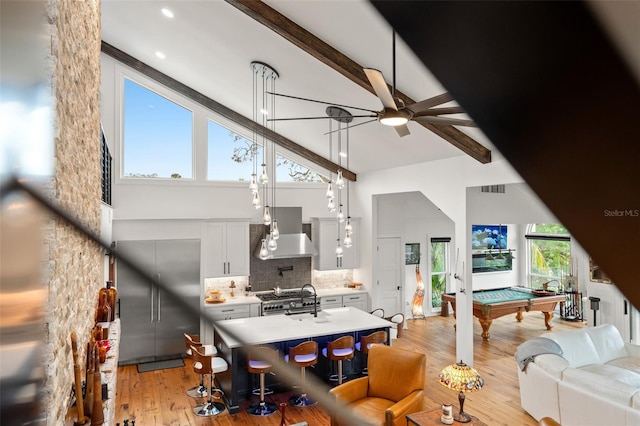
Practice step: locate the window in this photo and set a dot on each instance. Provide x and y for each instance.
(158, 136)
(439, 270)
(288, 170)
(230, 155)
(549, 253)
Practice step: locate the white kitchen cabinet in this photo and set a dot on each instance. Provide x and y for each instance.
(356, 300)
(225, 248)
(324, 233)
(225, 312)
(330, 302)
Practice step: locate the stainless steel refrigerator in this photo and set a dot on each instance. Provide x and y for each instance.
(152, 322)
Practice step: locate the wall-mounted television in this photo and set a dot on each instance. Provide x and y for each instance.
(489, 237)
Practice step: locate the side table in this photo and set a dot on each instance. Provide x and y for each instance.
(431, 417)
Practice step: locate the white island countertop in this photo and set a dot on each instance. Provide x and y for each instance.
(282, 328)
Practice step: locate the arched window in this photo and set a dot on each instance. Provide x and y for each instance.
(548, 254)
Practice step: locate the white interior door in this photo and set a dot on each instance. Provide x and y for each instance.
(389, 279)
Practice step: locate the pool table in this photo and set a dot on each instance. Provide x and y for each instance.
(490, 304)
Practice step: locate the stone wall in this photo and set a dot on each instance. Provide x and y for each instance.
(74, 270)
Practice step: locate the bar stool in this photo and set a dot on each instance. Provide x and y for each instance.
(259, 362)
(365, 343)
(207, 364)
(378, 313)
(199, 391)
(398, 325)
(339, 350)
(304, 355)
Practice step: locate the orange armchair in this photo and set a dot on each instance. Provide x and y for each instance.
(393, 388)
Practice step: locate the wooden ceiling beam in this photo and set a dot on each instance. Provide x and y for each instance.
(224, 111)
(331, 57)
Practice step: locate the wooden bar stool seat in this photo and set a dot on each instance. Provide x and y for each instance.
(303, 355)
(260, 361)
(377, 337)
(200, 390)
(339, 350)
(208, 365)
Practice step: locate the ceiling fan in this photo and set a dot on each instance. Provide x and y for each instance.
(395, 113)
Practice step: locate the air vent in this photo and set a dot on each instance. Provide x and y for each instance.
(495, 189)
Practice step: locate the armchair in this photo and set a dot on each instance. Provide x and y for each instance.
(393, 388)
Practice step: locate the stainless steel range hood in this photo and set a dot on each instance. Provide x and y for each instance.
(292, 242)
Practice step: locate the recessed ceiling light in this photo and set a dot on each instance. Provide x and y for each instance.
(160, 55)
(166, 12)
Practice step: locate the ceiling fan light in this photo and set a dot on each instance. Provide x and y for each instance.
(394, 121)
(391, 117)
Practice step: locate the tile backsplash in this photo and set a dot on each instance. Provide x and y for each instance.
(265, 274)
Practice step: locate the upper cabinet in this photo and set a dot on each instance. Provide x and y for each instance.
(324, 233)
(225, 247)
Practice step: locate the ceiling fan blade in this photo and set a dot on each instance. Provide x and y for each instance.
(446, 120)
(350, 127)
(439, 111)
(320, 102)
(403, 130)
(431, 102)
(380, 87)
(315, 118)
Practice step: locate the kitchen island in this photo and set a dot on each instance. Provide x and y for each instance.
(282, 332)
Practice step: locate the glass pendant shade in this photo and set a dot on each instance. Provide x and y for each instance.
(272, 244)
(275, 234)
(348, 228)
(331, 205)
(264, 178)
(256, 201)
(253, 186)
(347, 240)
(339, 251)
(266, 216)
(340, 180)
(340, 215)
(330, 193)
(264, 251)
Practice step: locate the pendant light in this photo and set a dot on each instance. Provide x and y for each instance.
(264, 77)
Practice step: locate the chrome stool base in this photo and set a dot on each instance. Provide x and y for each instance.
(301, 400)
(262, 408)
(209, 409)
(198, 392)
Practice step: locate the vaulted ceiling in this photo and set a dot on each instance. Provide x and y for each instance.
(318, 49)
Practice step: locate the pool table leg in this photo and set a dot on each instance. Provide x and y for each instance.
(547, 319)
(519, 315)
(486, 324)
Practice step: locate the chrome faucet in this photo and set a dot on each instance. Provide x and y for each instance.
(315, 298)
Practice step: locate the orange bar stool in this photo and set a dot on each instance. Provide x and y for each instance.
(339, 350)
(377, 337)
(208, 365)
(199, 391)
(304, 355)
(260, 361)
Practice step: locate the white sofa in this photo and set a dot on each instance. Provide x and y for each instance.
(596, 381)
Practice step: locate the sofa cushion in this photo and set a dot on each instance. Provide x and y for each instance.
(613, 383)
(627, 363)
(608, 342)
(577, 347)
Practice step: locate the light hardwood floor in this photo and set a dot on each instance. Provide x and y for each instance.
(158, 398)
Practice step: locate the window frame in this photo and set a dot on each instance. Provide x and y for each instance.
(201, 115)
(531, 236)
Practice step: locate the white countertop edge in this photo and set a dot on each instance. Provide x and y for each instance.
(281, 328)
